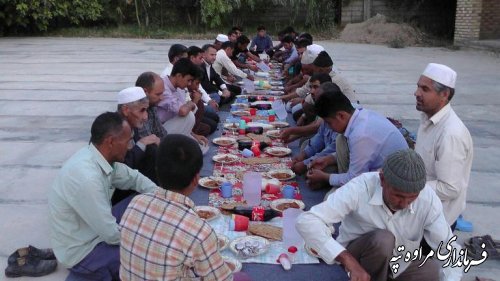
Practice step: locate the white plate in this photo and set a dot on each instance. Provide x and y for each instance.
(241, 113)
(224, 141)
(213, 210)
(222, 239)
(278, 151)
(279, 124)
(262, 74)
(289, 172)
(240, 105)
(236, 263)
(208, 182)
(275, 83)
(274, 134)
(225, 158)
(256, 245)
(274, 204)
(261, 102)
(258, 124)
(232, 126)
(276, 93)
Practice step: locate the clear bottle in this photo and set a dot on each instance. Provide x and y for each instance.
(252, 187)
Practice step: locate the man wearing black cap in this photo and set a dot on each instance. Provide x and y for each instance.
(380, 212)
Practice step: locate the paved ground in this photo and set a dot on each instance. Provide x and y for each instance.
(52, 88)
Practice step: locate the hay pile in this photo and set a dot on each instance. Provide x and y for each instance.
(377, 30)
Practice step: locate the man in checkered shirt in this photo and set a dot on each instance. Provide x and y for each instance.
(162, 237)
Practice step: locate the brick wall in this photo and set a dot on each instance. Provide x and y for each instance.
(352, 12)
(468, 20)
(490, 20)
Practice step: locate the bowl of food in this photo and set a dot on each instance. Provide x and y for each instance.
(278, 151)
(282, 204)
(281, 174)
(225, 158)
(211, 182)
(207, 213)
(224, 141)
(249, 246)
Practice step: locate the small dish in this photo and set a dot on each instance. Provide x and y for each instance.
(282, 204)
(207, 213)
(274, 134)
(240, 113)
(233, 264)
(224, 141)
(280, 124)
(232, 126)
(211, 182)
(225, 158)
(249, 246)
(281, 175)
(278, 151)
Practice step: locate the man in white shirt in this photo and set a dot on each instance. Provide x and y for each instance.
(380, 212)
(223, 60)
(176, 52)
(443, 141)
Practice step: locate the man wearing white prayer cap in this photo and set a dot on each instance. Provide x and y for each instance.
(221, 38)
(132, 106)
(443, 141)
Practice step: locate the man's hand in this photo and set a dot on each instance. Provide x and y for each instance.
(285, 134)
(150, 140)
(352, 267)
(214, 105)
(317, 178)
(226, 93)
(253, 67)
(200, 139)
(195, 96)
(295, 101)
(322, 162)
(250, 77)
(299, 167)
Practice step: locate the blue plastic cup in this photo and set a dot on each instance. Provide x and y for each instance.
(226, 190)
(288, 192)
(247, 153)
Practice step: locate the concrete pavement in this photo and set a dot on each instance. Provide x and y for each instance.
(51, 89)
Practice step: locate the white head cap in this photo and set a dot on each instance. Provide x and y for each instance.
(441, 74)
(131, 94)
(311, 53)
(222, 38)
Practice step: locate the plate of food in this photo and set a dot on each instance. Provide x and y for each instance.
(274, 134)
(262, 74)
(206, 212)
(278, 151)
(258, 124)
(225, 158)
(238, 105)
(232, 126)
(276, 83)
(280, 124)
(249, 246)
(277, 88)
(241, 113)
(282, 175)
(233, 264)
(224, 141)
(211, 182)
(222, 241)
(282, 204)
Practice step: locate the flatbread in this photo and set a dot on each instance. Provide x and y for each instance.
(268, 231)
(259, 138)
(257, 160)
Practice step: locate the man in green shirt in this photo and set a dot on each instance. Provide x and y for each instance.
(83, 225)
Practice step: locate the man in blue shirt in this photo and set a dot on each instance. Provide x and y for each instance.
(262, 42)
(365, 139)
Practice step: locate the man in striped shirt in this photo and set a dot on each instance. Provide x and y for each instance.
(162, 237)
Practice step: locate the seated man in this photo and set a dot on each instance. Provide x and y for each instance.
(262, 42)
(153, 86)
(241, 54)
(176, 52)
(221, 38)
(83, 226)
(223, 61)
(232, 36)
(181, 245)
(200, 127)
(292, 56)
(367, 138)
(381, 211)
(132, 106)
(177, 114)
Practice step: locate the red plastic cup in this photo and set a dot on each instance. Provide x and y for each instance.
(240, 222)
(272, 188)
(247, 119)
(272, 118)
(253, 111)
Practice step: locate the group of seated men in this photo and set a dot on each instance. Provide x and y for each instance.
(382, 192)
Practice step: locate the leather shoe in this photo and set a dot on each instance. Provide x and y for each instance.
(42, 254)
(30, 266)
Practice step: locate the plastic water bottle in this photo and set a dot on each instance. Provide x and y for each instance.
(290, 235)
(252, 187)
(279, 108)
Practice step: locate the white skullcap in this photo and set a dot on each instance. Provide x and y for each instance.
(441, 74)
(131, 94)
(311, 53)
(222, 38)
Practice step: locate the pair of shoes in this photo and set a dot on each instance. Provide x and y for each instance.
(31, 251)
(477, 244)
(463, 225)
(30, 266)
